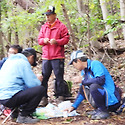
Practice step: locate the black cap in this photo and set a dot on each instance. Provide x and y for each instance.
(51, 10)
(32, 52)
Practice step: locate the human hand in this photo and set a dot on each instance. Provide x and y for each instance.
(40, 77)
(52, 41)
(69, 109)
(46, 40)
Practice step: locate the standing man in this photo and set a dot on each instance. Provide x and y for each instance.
(97, 86)
(53, 36)
(20, 87)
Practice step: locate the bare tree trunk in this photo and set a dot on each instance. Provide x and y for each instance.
(72, 36)
(122, 12)
(105, 13)
(1, 41)
(88, 29)
(9, 28)
(16, 38)
(111, 6)
(26, 5)
(81, 7)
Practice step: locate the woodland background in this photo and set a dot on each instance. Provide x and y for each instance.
(96, 26)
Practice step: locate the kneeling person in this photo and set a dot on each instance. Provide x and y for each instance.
(97, 86)
(19, 86)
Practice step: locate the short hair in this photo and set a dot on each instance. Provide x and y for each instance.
(18, 47)
(83, 59)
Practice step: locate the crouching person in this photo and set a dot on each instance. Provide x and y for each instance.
(20, 87)
(97, 86)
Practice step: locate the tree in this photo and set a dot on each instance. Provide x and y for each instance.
(1, 41)
(122, 12)
(20, 23)
(26, 5)
(73, 40)
(108, 27)
(81, 7)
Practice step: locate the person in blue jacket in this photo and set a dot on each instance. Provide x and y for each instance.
(97, 86)
(14, 49)
(19, 86)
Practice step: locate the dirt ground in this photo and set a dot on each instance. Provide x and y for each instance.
(115, 65)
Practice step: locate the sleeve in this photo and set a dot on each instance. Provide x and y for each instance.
(98, 80)
(97, 68)
(98, 73)
(80, 97)
(40, 37)
(64, 36)
(28, 76)
(78, 100)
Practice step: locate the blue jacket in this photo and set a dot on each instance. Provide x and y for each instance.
(15, 75)
(97, 73)
(2, 62)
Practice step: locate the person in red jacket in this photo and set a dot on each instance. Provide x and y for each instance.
(52, 37)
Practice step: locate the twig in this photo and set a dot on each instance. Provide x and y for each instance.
(108, 55)
(8, 116)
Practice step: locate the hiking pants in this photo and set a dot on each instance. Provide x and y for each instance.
(57, 65)
(27, 100)
(98, 94)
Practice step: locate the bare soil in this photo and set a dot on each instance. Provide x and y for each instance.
(116, 66)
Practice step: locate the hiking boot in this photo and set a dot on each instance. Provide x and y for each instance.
(100, 115)
(27, 119)
(92, 112)
(43, 102)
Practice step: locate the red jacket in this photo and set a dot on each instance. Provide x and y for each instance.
(59, 32)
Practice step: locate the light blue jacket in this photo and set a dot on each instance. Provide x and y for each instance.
(15, 75)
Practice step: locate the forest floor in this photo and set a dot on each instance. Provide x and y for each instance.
(115, 63)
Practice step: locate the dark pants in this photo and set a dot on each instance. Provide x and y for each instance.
(99, 96)
(57, 65)
(28, 100)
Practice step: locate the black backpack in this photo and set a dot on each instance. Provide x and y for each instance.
(68, 86)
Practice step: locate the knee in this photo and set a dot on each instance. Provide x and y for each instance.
(40, 89)
(94, 87)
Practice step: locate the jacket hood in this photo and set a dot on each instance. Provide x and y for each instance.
(18, 56)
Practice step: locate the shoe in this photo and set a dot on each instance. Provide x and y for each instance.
(27, 119)
(100, 115)
(92, 112)
(43, 102)
(60, 99)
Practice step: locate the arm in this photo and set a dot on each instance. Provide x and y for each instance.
(64, 36)
(98, 74)
(78, 100)
(28, 76)
(75, 105)
(41, 38)
(98, 80)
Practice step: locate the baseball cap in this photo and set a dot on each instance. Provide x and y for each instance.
(51, 10)
(32, 52)
(75, 55)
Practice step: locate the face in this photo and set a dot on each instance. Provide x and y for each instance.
(12, 51)
(31, 59)
(80, 65)
(50, 18)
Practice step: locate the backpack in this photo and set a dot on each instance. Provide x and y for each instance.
(67, 86)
